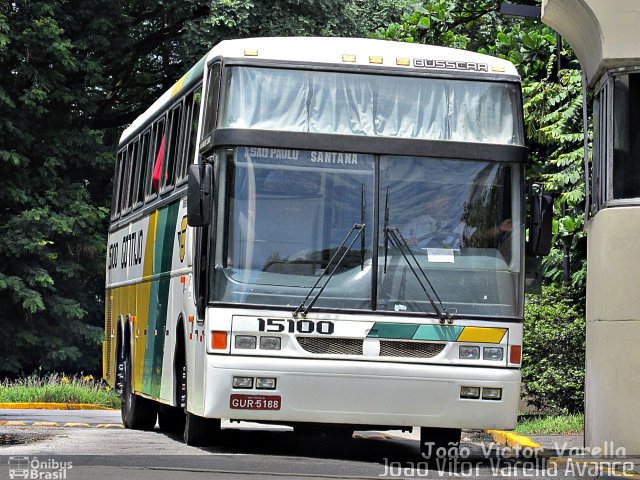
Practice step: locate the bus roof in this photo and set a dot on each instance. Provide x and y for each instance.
(334, 51)
(603, 33)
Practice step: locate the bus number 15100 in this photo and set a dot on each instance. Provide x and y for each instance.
(279, 325)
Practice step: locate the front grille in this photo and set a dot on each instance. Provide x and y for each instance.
(331, 346)
(389, 348)
(353, 346)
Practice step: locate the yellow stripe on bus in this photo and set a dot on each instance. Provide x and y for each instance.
(482, 335)
(176, 88)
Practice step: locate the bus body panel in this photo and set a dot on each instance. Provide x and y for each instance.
(147, 279)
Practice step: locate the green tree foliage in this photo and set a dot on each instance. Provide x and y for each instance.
(554, 352)
(74, 74)
(52, 195)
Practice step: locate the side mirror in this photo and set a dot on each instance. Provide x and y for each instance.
(199, 195)
(540, 228)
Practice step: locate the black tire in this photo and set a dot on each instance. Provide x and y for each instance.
(439, 442)
(200, 431)
(138, 413)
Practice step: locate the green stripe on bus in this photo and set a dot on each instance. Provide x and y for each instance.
(163, 256)
(159, 299)
(402, 331)
(449, 333)
(407, 331)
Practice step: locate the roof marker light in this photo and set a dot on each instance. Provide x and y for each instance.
(497, 68)
(404, 62)
(346, 57)
(375, 59)
(250, 53)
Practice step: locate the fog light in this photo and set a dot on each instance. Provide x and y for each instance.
(242, 382)
(492, 353)
(246, 342)
(469, 392)
(270, 343)
(469, 353)
(491, 393)
(266, 383)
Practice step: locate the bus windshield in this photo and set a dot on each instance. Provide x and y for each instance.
(371, 105)
(287, 211)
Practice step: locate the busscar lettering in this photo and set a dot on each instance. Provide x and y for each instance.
(450, 65)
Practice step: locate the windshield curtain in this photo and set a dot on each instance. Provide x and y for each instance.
(289, 211)
(371, 105)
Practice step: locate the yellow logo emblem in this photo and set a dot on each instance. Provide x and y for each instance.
(182, 237)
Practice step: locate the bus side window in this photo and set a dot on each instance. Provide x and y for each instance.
(126, 180)
(143, 167)
(213, 89)
(117, 181)
(134, 166)
(173, 148)
(157, 157)
(191, 116)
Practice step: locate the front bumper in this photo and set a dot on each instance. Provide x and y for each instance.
(366, 393)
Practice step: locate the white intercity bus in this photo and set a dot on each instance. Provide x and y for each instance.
(324, 233)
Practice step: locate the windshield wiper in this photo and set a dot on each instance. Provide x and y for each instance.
(393, 235)
(360, 232)
(302, 310)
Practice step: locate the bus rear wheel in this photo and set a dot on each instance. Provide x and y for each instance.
(439, 442)
(138, 413)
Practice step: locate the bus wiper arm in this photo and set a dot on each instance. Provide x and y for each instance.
(397, 240)
(302, 310)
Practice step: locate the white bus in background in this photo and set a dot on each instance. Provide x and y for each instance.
(279, 278)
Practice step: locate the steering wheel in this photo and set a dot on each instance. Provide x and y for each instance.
(438, 239)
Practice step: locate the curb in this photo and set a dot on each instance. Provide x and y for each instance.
(53, 406)
(513, 440)
(13, 423)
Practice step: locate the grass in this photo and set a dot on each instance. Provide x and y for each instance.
(58, 388)
(552, 425)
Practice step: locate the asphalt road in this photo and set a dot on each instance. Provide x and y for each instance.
(245, 451)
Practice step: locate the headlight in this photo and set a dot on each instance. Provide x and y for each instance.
(467, 352)
(492, 353)
(265, 383)
(491, 393)
(270, 343)
(246, 342)
(242, 382)
(469, 392)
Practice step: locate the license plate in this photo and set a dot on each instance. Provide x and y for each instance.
(239, 401)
